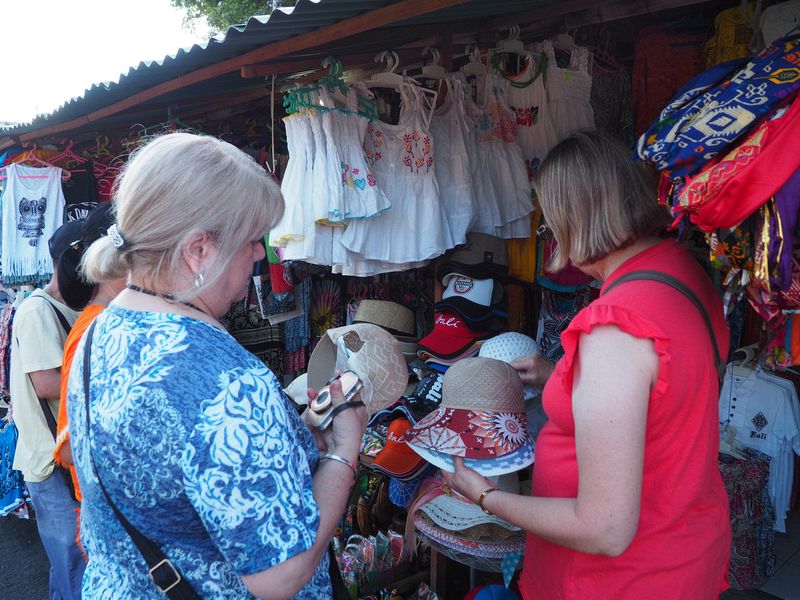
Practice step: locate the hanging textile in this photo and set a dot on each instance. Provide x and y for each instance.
(656, 80)
(732, 35)
(80, 192)
(569, 90)
(12, 486)
(33, 208)
(707, 118)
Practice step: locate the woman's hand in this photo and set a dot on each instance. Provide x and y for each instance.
(534, 369)
(467, 482)
(344, 436)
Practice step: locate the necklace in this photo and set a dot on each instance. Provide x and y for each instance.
(167, 297)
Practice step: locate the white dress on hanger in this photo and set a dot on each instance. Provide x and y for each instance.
(570, 91)
(501, 162)
(527, 98)
(453, 168)
(291, 227)
(357, 194)
(402, 160)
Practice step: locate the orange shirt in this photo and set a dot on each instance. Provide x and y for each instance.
(82, 323)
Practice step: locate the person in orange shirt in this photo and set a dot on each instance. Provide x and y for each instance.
(93, 297)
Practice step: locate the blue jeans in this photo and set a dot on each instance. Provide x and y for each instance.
(57, 524)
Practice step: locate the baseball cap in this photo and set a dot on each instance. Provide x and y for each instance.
(450, 336)
(397, 459)
(64, 237)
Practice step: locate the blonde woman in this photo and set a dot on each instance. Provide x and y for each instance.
(627, 500)
(189, 434)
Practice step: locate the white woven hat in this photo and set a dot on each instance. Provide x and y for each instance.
(508, 347)
(454, 512)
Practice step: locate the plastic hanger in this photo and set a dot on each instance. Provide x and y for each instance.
(388, 77)
(30, 157)
(435, 70)
(474, 66)
(746, 366)
(728, 444)
(512, 44)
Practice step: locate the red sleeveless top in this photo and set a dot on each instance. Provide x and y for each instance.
(682, 544)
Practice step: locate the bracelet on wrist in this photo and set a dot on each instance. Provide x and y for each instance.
(482, 497)
(337, 458)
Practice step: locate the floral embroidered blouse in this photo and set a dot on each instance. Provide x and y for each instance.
(200, 450)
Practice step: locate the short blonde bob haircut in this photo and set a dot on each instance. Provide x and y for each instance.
(176, 184)
(595, 199)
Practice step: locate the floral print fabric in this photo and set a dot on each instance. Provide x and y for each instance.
(200, 450)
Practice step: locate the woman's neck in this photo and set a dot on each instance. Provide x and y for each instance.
(603, 268)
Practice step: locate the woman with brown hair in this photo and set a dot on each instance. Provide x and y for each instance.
(627, 501)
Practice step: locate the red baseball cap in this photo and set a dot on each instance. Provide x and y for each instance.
(397, 459)
(450, 336)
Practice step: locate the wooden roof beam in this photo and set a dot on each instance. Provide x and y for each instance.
(399, 11)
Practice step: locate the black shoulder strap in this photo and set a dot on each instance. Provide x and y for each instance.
(164, 574)
(61, 318)
(43, 404)
(678, 285)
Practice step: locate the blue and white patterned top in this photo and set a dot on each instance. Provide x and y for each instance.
(200, 450)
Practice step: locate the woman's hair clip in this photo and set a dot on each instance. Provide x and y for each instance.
(116, 238)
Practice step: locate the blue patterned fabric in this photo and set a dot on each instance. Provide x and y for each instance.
(715, 110)
(199, 449)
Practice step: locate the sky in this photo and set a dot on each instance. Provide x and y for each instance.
(54, 50)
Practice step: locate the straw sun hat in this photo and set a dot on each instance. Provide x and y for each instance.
(481, 418)
(371, 353)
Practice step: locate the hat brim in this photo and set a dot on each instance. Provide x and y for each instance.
(510, 463)
(469, 433)
(454, 514)
(393, 462)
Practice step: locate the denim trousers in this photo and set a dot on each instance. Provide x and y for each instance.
(57, 524)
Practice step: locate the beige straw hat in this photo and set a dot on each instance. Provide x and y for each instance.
(373, 354)
(393, 317)
(481, 416)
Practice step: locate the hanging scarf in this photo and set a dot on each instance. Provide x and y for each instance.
(713, 111)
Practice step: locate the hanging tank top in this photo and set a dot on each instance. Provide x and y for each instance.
(33, 208)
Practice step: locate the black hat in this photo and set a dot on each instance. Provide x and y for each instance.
(76, 291)
(64, 237)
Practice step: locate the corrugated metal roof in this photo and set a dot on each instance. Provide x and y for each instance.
(306, 16)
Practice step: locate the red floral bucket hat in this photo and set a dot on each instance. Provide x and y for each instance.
(482, 413)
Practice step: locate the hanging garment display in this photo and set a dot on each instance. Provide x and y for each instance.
(359, 195)
(611, 102)
(80, 192)
(453, 163)
(763, 414)
(33, 208)
(733, 32)
(500, 161)
(656, 80)
(402, 159)
(569, 90)
(527, 98)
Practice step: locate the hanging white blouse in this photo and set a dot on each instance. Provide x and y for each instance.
(570, 92)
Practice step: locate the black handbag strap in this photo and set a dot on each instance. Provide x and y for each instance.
(164, 574)
(677, 284)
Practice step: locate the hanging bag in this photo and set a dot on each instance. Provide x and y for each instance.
(162, 571)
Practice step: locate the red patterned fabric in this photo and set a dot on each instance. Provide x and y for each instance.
(725, 193)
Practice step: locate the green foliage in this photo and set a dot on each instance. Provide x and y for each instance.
(221, 14)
